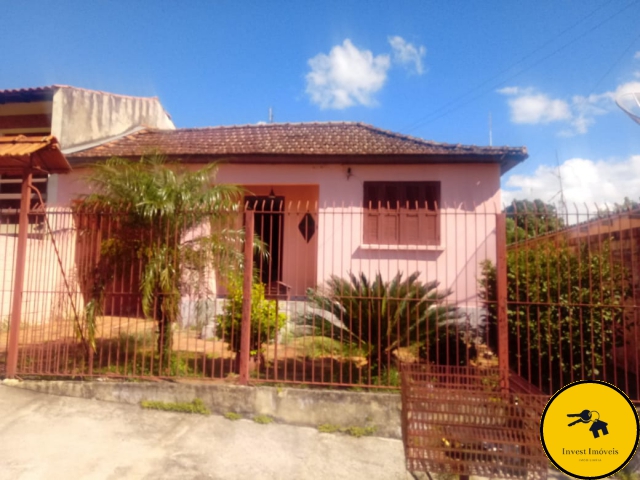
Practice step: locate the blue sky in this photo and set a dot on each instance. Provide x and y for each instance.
(546, 71)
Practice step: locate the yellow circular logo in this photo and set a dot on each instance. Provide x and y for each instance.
(589, 429)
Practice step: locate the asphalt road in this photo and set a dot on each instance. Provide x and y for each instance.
(50, 437)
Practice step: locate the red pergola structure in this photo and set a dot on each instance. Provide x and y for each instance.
(25, 156)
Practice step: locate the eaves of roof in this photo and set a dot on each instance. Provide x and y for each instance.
(301, 143)
(37, 154)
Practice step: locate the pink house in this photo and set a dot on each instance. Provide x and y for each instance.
(333, 198)
(329, 198)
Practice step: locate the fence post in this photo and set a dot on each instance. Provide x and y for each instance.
(245, 329)
(501, 287)
(18, 279)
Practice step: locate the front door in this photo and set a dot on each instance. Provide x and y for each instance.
(269, 227)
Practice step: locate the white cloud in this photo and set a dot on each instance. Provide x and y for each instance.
(528, 106)
(407, 54)
(533, 108)
(346, 77)
(584, 181)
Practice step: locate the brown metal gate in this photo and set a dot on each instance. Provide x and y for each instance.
(457, 420)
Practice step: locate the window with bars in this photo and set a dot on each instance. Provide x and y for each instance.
(401, 213)
(10, 193)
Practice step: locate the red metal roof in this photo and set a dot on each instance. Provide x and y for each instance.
(298, 143)
(43, 154)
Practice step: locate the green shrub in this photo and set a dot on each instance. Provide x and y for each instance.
(565, 307)
(266, 321)
(386, 315)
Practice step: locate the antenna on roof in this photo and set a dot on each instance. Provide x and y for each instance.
(490, 131)
(630, 104)
(270, 115)
(563, 205)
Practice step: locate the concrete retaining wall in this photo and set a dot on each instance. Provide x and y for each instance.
(307, 407)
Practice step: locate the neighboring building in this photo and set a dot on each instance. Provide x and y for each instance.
(78, 118)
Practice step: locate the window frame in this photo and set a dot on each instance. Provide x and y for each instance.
(10, 198)
(413, 220)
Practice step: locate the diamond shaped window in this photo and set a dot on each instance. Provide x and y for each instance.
(307, 227)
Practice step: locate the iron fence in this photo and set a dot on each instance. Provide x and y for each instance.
(553, 294)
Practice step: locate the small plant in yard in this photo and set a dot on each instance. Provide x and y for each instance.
(318, 347)
(386, 315)
(266, 321)
(233, 416)
(389, 377)
(195, 406)
(263, 419)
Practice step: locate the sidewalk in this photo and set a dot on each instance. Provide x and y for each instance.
(49, 437)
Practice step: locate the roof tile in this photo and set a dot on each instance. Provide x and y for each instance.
(300, 139)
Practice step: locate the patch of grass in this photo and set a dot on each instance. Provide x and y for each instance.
(318, 347)
(388, 377)
(195, 406)
(360, 431)
(147, 363)
(328, 428)
(353, 430)
(233, 416)
(263, 419)
(130, 342)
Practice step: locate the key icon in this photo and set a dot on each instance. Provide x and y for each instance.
(584, 417)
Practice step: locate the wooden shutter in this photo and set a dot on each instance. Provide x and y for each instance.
(401, 213)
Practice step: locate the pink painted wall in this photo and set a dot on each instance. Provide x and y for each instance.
(49, 294)
(470, 197)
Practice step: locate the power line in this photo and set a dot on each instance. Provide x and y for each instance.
(433, 116)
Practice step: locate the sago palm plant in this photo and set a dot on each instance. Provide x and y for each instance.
(176, 224)
(381, 315)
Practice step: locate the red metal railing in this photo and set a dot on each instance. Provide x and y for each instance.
(326, 308)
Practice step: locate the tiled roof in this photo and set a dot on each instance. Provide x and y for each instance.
(306, 140)
(40, 153)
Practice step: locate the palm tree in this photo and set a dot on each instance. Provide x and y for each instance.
(382, 316)
(177, 224)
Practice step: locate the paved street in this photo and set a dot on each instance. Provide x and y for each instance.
(51, 437)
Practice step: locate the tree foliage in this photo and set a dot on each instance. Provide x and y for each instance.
(386, 315)
(531, 218)
(176, 224)
(565, 308)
